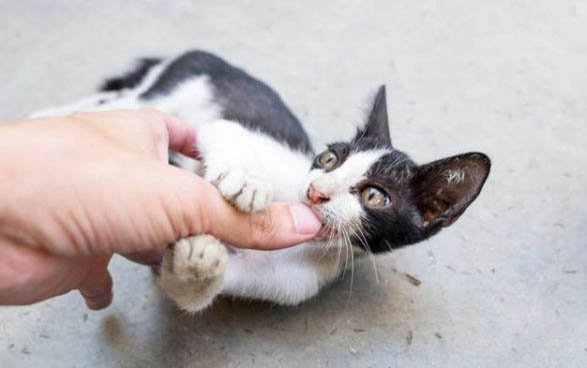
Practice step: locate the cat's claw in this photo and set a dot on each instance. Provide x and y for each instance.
(245, 191)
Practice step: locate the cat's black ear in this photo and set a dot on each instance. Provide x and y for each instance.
(377, 127)
(444, 189)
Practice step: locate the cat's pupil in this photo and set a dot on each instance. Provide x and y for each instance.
(374, 197)
(327, 160)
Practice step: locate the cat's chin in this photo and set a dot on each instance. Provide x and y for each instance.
(326, 234)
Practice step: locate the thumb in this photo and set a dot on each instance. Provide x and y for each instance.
(194, 206)
(96, 287)
(279, 226)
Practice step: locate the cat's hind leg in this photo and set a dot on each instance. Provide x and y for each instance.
(192, 271)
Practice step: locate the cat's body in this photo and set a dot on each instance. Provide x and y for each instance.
(370, 197)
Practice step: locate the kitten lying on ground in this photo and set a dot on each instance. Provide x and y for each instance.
(370, 197)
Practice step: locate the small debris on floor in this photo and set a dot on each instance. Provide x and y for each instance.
(414, 281)
(410, 337)
(353, 350)
(438, 336)
(359, 330)
(431, 256)
(570, 272)
(85, 317)
(45, 336)
(25, 351)
(332, 332)
(450, 268)
(248, 330)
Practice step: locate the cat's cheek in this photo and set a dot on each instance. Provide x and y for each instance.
(345, 210)
(349, 208)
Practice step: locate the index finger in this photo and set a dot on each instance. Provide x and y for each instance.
(182, 137)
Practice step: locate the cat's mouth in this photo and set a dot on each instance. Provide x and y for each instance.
(327, 232)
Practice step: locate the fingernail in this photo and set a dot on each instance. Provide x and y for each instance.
(99, 302)
(305, 221)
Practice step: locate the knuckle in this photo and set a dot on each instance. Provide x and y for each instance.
(159, 130)
(262, 228)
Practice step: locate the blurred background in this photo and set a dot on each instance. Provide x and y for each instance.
(504, 286)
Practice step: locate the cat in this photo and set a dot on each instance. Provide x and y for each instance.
(370, 197)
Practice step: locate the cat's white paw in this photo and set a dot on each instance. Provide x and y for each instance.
(192, 271)
(199, 257)
(240, 187)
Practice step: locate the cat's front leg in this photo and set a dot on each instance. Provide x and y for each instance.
(249, 168)
(231, 164)
(239, 185)
(192, 271)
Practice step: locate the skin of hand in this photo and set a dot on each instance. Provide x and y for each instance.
(75, 190)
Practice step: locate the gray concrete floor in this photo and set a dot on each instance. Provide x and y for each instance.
(505, 286)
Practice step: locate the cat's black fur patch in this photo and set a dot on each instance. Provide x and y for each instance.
(132, 78)
(242, 97)
(424, 199)
(398, 225)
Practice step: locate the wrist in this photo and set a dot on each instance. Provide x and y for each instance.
(18, 187)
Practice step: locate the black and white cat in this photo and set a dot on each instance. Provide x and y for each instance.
(370, 197)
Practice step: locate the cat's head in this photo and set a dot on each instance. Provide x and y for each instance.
(376, 197)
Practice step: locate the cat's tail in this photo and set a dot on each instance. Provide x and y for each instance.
(131, 78)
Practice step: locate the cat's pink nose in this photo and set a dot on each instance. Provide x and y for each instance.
(315, 196)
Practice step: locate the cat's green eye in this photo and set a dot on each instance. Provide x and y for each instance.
(374, 197)
(328, 160)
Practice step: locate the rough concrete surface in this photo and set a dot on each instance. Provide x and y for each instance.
(504, 287)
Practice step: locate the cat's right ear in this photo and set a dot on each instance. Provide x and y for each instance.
(377, 127)
(444, 189)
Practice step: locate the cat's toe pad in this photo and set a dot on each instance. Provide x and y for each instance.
(244, 190)
(201, 257)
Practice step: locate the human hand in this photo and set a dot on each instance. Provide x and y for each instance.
(75, 190)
